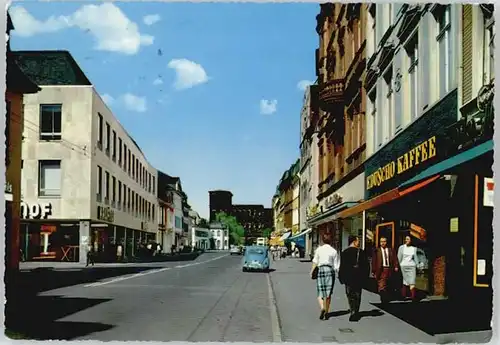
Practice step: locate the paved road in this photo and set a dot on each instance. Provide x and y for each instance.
(209, 299)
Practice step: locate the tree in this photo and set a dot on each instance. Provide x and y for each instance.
(236, 230)
(266, 232)
(203, 223)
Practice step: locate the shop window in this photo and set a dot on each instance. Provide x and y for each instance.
(49, 178)
(50, 122)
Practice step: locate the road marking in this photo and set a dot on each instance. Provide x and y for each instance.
(273, 308)
(141, 274)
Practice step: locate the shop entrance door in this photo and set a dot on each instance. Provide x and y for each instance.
(385, 230)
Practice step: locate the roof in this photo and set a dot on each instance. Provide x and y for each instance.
(51, 67)
(16, 80)
(220, 191)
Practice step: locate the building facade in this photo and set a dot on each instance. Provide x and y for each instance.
(86, 183)
(254, 219)
(340, 67)
(17, 85)
(219, 201)
(220, 235)
(200, 237)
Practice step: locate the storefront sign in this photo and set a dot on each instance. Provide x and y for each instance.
(489, 186)
(48, 228)
(106, 214)
(36, 211)
(333, 200)
(409, 160)
(419, 146)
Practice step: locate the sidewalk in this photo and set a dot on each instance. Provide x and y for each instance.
(298, 312)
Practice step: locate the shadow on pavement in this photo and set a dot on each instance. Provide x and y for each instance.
(338, 313)
(370, 313)
(441, 316)
(45, 279)
(35, 317)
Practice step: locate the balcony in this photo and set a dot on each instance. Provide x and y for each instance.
(331, 94)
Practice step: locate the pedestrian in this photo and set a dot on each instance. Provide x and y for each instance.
(325, 264)
(353, 273)
(384, 265)
(408, 261)
(90, 256)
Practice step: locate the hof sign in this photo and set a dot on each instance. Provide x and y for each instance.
(36, 211)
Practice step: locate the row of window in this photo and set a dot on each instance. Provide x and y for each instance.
(385, 127)
(119, 196)
(122, 155)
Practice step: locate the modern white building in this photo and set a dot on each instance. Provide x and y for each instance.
(220, 234)
(85, 181)
(200, 237)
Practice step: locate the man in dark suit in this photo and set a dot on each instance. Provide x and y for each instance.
(384, 264)
(353, 273)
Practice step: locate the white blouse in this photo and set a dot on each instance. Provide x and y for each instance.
(327, 255)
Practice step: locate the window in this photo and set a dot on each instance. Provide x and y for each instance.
(140, 173)
(49, 178)
(444, 48)
(99, 131)
(108, 137)
(119, 203)
(120, 151)
(154, 184)
(133, 166)
(490, 49)
(412, 51)
(149, 182)
(113, 190)
(50, 122)
(7, 134)
(153, 212)
(133, 202)
(125, 157)
(129, 162)
(99, 183)
(114, 146)
(375, 117)
(106, 187)
(137, 170)
(128, 199)
(124, 196)
(392, 121)
(136, 204)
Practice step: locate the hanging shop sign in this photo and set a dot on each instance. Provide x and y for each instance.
(8, 191)
(36, 211)
(106, 214)
(333, 200)
(489, 187)
(419, 146)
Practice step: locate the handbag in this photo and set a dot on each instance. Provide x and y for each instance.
(314, 274)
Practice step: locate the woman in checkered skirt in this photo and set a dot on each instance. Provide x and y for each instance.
(327, 260)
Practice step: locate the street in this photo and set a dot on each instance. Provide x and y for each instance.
(209, 299)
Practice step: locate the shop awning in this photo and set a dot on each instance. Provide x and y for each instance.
(302, 233)
(384, 198)
(330, 214)
(452, 162)
(285, 235)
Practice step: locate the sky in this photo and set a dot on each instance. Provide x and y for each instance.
(211, 92)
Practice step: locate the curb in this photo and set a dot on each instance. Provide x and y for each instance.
(275, 319)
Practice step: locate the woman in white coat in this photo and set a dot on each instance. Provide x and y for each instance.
(408, 262)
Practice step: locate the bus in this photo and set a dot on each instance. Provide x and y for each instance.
(262, 241)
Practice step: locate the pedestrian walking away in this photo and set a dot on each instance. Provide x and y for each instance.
(384, 266)
(408, 261)
(325, 264)
(353, 273)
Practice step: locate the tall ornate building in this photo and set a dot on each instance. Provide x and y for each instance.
(340, 65)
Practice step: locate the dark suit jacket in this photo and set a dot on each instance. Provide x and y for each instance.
(348, 274)
(377, 261)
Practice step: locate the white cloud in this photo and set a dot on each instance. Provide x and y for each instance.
(188, 73)
(303, 84)
(129, 101)
(108, 99)
(268, 107)
(109, 26)
(134, 103)
(158, 81)
(151, 19)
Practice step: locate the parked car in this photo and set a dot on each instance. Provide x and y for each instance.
(256, 258)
